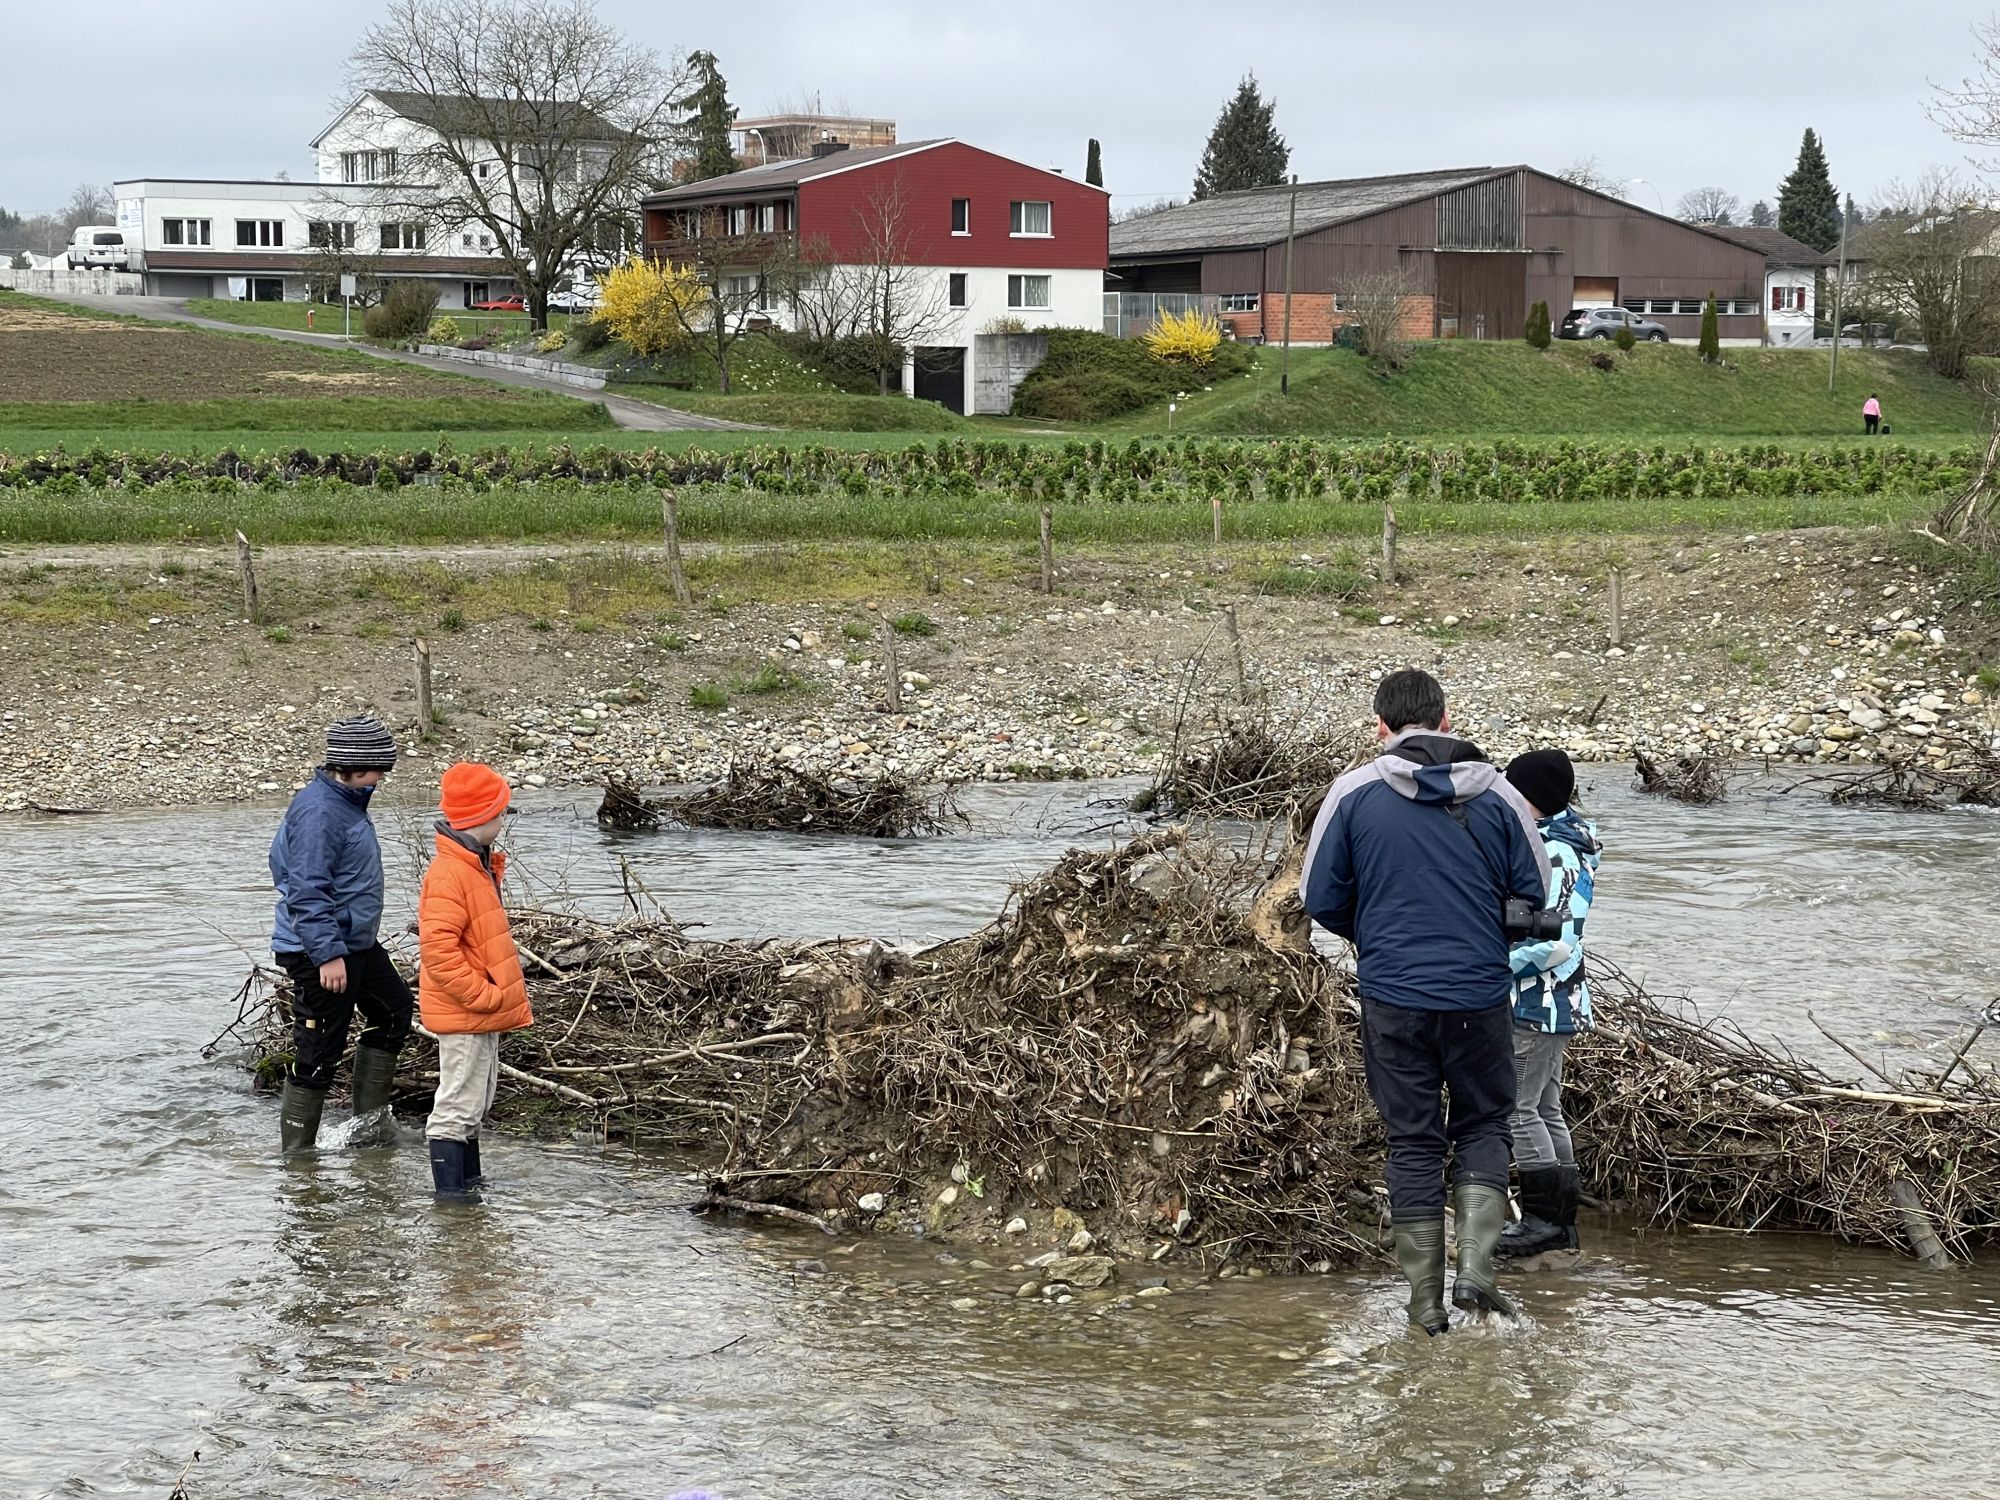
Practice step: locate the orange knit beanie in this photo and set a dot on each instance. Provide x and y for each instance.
(472, 794)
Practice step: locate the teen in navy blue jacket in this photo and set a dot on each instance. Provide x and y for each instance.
(327, 867)
(1412, 859)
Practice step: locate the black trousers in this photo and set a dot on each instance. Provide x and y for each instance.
(320, 1019)
(1414, 1059)
(1870, 424)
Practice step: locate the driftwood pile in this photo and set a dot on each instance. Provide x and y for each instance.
(1702, 780)
(1911, 782)
(789, 799)
(1144, 1038)
(1250, 770)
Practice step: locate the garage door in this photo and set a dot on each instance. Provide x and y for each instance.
(169, 284)
(1596, 291)
(941, 377)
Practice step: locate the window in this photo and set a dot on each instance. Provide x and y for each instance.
(1691, 306)
(1238, 302)
(1027, 291)
(1788, 299)
(269, 233)
(739, 221)
(956, 297)
(186, 231)
(1028, 218)
(402, 236)
(747, 292)
(767, 218)
(369, 166)
(961, 215)
(325, 235)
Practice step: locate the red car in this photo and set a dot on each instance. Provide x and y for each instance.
(501, 304)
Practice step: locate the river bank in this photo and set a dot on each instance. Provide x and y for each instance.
(132, 677)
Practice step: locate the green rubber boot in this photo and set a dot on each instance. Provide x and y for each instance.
(298, 1118)
(374, 1073)
(1482, 1214)
(1420, 1253)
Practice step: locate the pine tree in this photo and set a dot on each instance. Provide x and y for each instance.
(1093, 164)
(1244, 149)
(709, 117)
(1711, 341)
(1808, 207)
(1852, 217)
(1761, 216)
(1537, 331)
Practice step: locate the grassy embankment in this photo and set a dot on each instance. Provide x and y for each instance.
(327, 317)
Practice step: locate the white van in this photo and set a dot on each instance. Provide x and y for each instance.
(98, 247)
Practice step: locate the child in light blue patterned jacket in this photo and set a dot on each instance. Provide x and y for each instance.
(1551, 1004)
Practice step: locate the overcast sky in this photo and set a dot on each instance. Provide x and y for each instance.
(1684, 95)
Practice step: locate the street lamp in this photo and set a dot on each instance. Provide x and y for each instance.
(1657, 196)
(763, 148)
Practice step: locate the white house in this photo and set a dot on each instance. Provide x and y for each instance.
(1791, 278)
(279, 240)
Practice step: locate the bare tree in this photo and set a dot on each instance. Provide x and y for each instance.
(1931, 259)
(874, 292)
(89, 204)
(1379, 305)
(1142, 210)
(744, 279)
(1708, 205)
(1971, 112)
(541, 122)
(1586, 172)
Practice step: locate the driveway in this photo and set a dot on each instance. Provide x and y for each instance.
(634, 416)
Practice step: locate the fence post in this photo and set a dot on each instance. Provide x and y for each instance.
(1388, 544)
(1230, 629)
(424, 725)
(670, 516)
(253, 609)
(1048, 551)
(1215, 518)
(1617, 608)
(892, 694)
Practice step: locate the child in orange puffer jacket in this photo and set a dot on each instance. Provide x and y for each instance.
(470, 987)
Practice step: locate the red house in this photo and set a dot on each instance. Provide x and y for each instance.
(942, 246)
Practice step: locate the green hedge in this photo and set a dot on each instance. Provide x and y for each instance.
(1092, 377)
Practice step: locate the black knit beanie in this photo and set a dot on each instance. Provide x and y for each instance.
(1545, 778)
(359, 744)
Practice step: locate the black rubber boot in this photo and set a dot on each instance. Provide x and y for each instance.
(1569, 1188)
(1420, 1254)
(298, 1118)
(448, 1170)
(374, 1075)
(1482, 1214)
(1540, 1225)
(473, 1176)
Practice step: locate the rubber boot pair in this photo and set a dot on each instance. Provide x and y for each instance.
(455, 1169)
(1548, 1214)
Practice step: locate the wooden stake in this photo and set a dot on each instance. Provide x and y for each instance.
(1617, 608)
(253, 609)
(1215, 516)
(1388, 544)
(892, 694)
(1229, 628)
(424, 725)
(670, 516)
(1924, 1242)
(1048, 551)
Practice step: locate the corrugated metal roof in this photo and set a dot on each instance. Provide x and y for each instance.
(1777, 247)
(1258, 216)
(788, 173)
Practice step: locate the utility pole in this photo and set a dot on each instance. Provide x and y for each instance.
(1291, 231)
(1839, 276)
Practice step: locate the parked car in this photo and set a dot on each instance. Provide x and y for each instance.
(1604, 323)
(500, 304)
(582, 295)
(97, 247)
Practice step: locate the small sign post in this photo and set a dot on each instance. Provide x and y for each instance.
(347, 304)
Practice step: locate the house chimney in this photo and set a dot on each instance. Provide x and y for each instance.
(827, 148)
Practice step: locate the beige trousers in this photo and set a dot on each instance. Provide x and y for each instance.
(468, 1073)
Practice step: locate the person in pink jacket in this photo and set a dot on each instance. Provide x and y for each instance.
(1871, 415)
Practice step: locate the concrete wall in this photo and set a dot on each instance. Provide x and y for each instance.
(1000, 362)
(72, 283)
(583, 377)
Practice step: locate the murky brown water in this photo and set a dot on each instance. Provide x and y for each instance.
(166, 1285)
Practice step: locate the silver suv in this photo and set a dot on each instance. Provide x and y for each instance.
(1604, 323)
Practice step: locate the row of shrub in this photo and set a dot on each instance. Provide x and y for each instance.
(1092, 377)
(1278, 469)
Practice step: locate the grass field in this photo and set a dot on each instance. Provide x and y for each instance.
(1507, 389)
(312, 512)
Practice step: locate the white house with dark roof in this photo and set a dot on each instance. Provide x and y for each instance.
(1791, 280)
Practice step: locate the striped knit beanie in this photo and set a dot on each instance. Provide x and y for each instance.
(360, 743)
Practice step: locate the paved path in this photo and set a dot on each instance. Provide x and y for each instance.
(634, 416)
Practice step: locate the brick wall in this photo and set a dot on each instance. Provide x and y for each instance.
(1314, 319)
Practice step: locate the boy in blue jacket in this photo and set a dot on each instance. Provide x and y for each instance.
(327, 866)
(1551, 1005)
(1412, 859)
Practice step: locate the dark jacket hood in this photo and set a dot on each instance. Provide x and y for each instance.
(1427, 765)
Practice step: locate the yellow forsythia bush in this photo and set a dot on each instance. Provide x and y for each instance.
(1186, 338)
(442, 331)
(552, 342)
(648, 305)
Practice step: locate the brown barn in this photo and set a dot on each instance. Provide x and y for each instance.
(1474, 248)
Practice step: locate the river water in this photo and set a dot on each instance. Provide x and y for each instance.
(326, 1330)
